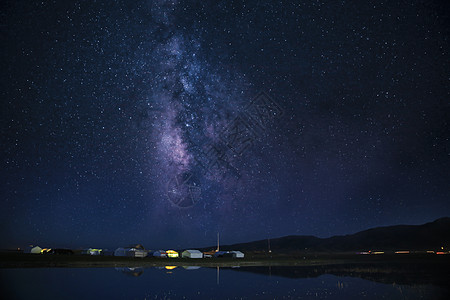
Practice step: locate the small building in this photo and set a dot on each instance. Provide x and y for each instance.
(160, 253)
(192, 254)
(33, 249)
(237, 254)
(172, 253)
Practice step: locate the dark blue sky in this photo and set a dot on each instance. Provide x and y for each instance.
(164, 122)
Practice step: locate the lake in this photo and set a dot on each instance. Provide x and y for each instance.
(213, 283)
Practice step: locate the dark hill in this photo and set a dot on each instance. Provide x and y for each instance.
(429, 236)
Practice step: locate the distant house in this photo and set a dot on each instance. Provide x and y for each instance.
(160, 253)
(33, 250)
(172, 253)
(191, 254)
(237, 254)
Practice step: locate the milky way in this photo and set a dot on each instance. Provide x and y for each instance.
(197, 101)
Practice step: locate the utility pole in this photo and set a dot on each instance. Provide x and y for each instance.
(218, 248)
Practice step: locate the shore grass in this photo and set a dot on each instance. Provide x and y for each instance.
(20, 260)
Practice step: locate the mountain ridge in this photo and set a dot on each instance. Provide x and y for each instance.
(429, 236)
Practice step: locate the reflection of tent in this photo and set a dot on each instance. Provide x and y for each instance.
(237, 254)
(192, 254)
(33, 250)
(191, 267)
(133, 271)
(160, 253)
(172, 253)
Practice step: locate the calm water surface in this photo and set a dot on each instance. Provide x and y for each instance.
(200, 283)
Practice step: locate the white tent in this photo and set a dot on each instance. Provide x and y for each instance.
(120, 252)
(133, 252)
(192, 254)
(237, 254)
(33, 250)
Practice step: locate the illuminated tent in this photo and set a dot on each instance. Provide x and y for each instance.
(192, 254)
(172, 253)
(92, 251)
(33, 250)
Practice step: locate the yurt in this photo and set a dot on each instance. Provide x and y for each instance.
(133, 252)
(192, 254)
(237, 254)
(33, 250)
(172, 253)
(160, 253)
(120, 252)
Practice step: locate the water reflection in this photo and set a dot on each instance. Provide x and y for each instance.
(133, 271)
(194, 282)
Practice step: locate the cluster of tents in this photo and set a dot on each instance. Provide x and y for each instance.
(139, 251)
(39, 250)
(190, 253)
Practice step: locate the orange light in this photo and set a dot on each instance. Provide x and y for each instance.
(170, 267)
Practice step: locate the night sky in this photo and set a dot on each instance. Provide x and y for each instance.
(165, 122)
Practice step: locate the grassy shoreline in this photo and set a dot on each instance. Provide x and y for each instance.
(15, 260)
